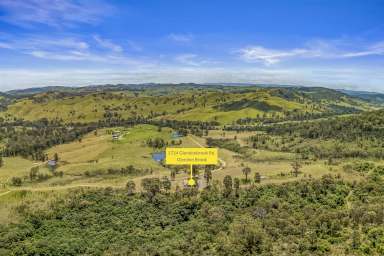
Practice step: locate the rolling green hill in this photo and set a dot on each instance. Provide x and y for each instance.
(225, 104)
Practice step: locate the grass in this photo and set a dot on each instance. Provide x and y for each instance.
(15, 203)
(268, 156)
(15, 167)
(76, 157)
(96, 152)
(272, 164)
(179, 105)
(74, 160)
(101, 152)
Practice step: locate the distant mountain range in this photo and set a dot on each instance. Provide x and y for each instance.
(373, 97)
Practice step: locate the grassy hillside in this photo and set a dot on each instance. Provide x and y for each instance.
(94, 158)
(185, 102)
(130, 149)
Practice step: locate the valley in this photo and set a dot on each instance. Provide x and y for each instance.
(96, 146)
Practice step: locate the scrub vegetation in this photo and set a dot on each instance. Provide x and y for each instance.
(300, 172)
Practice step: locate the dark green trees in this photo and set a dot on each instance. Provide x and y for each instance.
(33, 173)
(236, 185)
(173, 174)
(131, 187)
(156, 143)
(227, 182)
(16, 181)
(307, 217)
(208, 175)
(151, 186)
(246, 171)
(296, 166)
(166, 183)
(56, 157)
(257, 177)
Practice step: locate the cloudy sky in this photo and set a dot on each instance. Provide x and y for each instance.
(333, 43)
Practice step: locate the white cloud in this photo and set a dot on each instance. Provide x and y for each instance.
(85, 56)
(25, 43)
(376, 49)
(65, 56)
(56, 13)
(45, 42)
(192, 60)
(108, 44)
(71, 49)
(328, 77)
(268, 56)
(314, 49)
(181, 38)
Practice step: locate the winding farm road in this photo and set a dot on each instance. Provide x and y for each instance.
(5, 193)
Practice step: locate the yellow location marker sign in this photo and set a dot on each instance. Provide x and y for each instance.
(191, 156)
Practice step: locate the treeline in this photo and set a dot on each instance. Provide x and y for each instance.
(128, 171)
(369, 126)
(318, 148)
(287, 116)
(174, 124)
(31, 139)
(183, 128)
(312, 217)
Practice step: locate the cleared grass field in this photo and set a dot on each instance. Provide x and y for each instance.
(15, 167)
(241, 137)
(274, 167)
(99, 151)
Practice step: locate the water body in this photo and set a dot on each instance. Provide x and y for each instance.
(158, 156)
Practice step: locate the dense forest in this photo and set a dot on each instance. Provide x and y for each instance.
(311, 217)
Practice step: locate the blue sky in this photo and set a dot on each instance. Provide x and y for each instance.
(332, 43)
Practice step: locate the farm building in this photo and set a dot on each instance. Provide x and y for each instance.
(176, 135)
(52, 164)
(116, 135)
